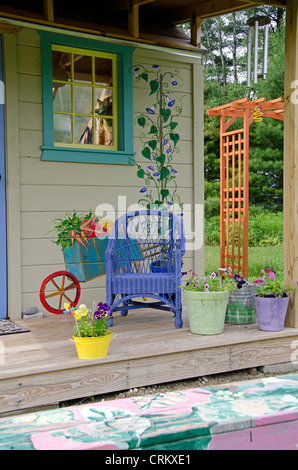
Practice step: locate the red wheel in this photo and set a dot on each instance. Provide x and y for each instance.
(58, 288)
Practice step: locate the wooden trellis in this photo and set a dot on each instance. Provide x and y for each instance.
(234, 175)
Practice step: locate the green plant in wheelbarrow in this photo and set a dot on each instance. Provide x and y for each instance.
(271, 301)
(75, 227)
(206, 299)
(91, 336)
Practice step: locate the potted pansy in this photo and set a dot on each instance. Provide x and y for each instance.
(91, 336)
(206, 299)
(271, 301)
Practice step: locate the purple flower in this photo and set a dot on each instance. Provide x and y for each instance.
(156, 174)
(103, 311)
(143, 190)
(165, 141)
(153, 155)
(173, 171)
(150, 168)
(151, 110)
(169, 150)
(97, 315)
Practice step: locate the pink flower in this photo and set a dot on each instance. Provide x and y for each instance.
(258, 281)
(271, 275)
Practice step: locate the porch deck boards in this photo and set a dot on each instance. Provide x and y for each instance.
(41, 367)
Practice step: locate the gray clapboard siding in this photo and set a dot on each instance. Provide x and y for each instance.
(49, 189)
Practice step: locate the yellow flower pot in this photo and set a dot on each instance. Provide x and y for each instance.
(93, 347)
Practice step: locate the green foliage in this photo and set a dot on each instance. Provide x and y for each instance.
(89, 327)
(272, 286)
(265, 228)
(89, 323)
(68, 225)
(258, 258)
(225, 81)
(209, 283)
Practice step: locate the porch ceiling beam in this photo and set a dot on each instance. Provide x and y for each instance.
(208, 9)
(272, 3)
(120, 5)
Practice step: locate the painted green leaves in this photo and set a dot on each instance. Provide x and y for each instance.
(159, 135)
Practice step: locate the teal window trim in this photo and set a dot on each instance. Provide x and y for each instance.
(125, 153)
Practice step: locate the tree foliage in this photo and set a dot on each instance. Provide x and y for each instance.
(225, 80)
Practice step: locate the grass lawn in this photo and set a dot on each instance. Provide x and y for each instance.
(258, 258)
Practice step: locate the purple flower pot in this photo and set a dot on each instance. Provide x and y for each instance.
(271, 312)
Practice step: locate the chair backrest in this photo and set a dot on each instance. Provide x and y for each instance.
(146, 241)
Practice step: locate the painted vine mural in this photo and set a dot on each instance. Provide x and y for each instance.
(159, 136)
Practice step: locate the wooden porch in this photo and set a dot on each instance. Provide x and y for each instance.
(41, 368)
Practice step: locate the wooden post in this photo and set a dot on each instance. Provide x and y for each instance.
(291, 160)
(223, 195)
(48, 10)
(133, 19)
(195, 29)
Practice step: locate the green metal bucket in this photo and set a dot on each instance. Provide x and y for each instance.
(240, 308)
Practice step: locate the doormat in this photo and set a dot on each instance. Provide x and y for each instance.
(8, 327)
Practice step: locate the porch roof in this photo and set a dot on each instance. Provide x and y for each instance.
(144, 21)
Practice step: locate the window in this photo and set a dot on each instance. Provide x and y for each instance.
(87, 100)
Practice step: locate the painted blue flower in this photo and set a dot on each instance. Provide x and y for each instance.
(143, 190)
(171, 103)
(153, 155)
(155, 66)
(174, 82)
(169, 150)
(151, 110)
(165, 141)
(173, 171)
(156, 174)
(150, 168)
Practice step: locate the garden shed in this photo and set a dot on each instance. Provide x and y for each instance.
(59, 63)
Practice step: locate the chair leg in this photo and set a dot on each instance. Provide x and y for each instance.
(178, 318)
(125, 311)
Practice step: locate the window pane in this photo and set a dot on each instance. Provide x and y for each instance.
(103, 71)
(82, 99)
(61, 64)
(104, 131)
(62, 97)
(83, 129)
(82, 68)
(103, 101)
(62, 128)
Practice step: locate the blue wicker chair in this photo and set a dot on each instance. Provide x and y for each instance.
(143, 260)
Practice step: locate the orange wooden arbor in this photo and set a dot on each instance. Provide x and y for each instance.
(234, 175)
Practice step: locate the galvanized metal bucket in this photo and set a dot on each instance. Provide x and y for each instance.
(240, 308)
